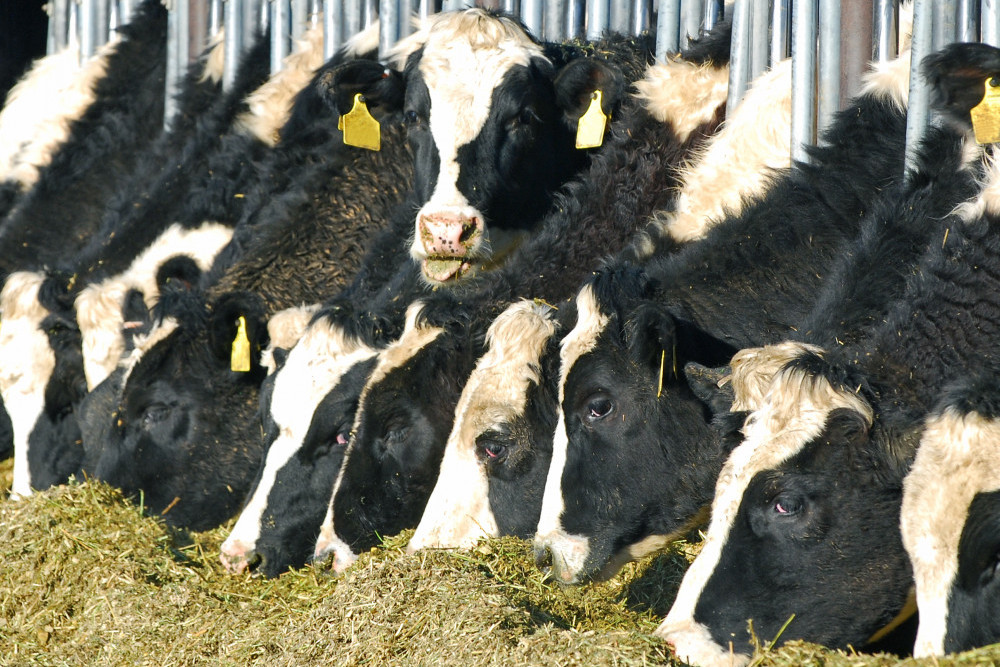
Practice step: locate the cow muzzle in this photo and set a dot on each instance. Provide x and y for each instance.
(561, 556)
(448, 239)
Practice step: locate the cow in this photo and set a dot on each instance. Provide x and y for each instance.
(408, 405)
(244, 546)
(752, 278)
(498, 452)
(819, 473)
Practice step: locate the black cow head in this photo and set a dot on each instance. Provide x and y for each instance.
(634, 455)
(492, 122)
(183, 430)
(804, 523)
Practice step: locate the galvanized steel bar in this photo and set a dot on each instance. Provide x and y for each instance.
(945, 25)
(668, 25)
(576, 18)
(642, 16)
(759, 16)
(102, 22)
(126, 8)
(555, 24)
(453, 5)
(425, 9)
(177, 51)
(828, 81)
(712, 14)
(968, 21)
(921, 45)
(989, 17)
(803, 78)
(781, 30)
(533, 16)
(233, 20)
(281, 16)
(333, 27)
(300, 17)
(87, 29)
(315, 13)
(619, 15)
(598, 17)
(739, 58)
(692, 13)
(406, 9)
(512, 7)
(215, 19)
(388, 25)
(886, 22)
(58, 31)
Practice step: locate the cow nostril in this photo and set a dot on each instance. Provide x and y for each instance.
(543, 558)
(254, 561)
(469, 231)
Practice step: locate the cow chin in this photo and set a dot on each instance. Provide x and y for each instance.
(692, 643)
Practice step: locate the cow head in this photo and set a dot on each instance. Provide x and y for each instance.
(307, 409)
(183, 431)
(634, 456)
(803, 524)
(492, 124)
(496, 457)
(951, 520)
(394, 455)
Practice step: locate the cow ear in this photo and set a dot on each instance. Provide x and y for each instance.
(710, 385)
(958, 76)
(238, 332)
(652, 338)
(577, 82)
(178, 272)
(382, 87)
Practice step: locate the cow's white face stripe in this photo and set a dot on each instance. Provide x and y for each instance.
(313, 369)
(26, 364)
(284, 329)
(794, 412)
(465, 58)
(582, 339)
(413, 339)
(458, 511)
(99, 306)
(956, 461)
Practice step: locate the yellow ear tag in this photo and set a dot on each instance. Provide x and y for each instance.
(239, 360)
(359, 127)
(986, 114)
(590, 130)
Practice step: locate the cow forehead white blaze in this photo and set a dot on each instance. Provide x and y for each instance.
(754, 368)
(458, 511)
(956, 461)
(582, 339)
(413, 339)
(26, 364)
(793, 413)
(314, 367)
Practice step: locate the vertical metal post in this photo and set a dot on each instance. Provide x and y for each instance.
(619, 15)
(828, 81)
(234, 42)
(88, 33)
(455, 5)
(126, 8)
(668, 25)
(781, 30)
(300, 17)
(369, 13)
(693, 10)
(177, 52)
(886, 21)
(803, 78)
(758, 38)
(58, 32)
(642, 16)
(712, 14)
(405, 8)
(856, 39)
(280, 32)
(597, 17)
(315, 13)
(739, 59)
(333, 27)
(198, 34)
(921, 44)
(945, 25)
(102, 24)
(114, 19)
(989, 11)
(968, 21)
(425, 9)
(555, 24)
(512, 7)
(532, 16)
(576, 18)
(388, 26)
(215, 17)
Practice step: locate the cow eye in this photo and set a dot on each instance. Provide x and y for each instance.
(527, 116)
(154, 414)
(787, 504)
(598, 408)
(411, 118)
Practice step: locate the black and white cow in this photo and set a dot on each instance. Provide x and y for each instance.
(498, 453)
(818, 479)
(408, 405)
(323, 359)
(753, 277)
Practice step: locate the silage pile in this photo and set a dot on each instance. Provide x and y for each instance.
(87, 579)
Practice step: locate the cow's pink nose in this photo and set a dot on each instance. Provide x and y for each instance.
(234, 556)
(449, 234)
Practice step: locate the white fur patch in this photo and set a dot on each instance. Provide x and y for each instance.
(754, 368)
(26, 364)
(987, 202)
(39, 111)
(284, 329)
(737, 164)
(565, 548)
(692, 642)
(956, 460)
(466, 56)
(271, 104)
(684, 94)
(458, 512)
(215, 60)
(145, 343)
(793, 413)
(99, 306)
(314, 367)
